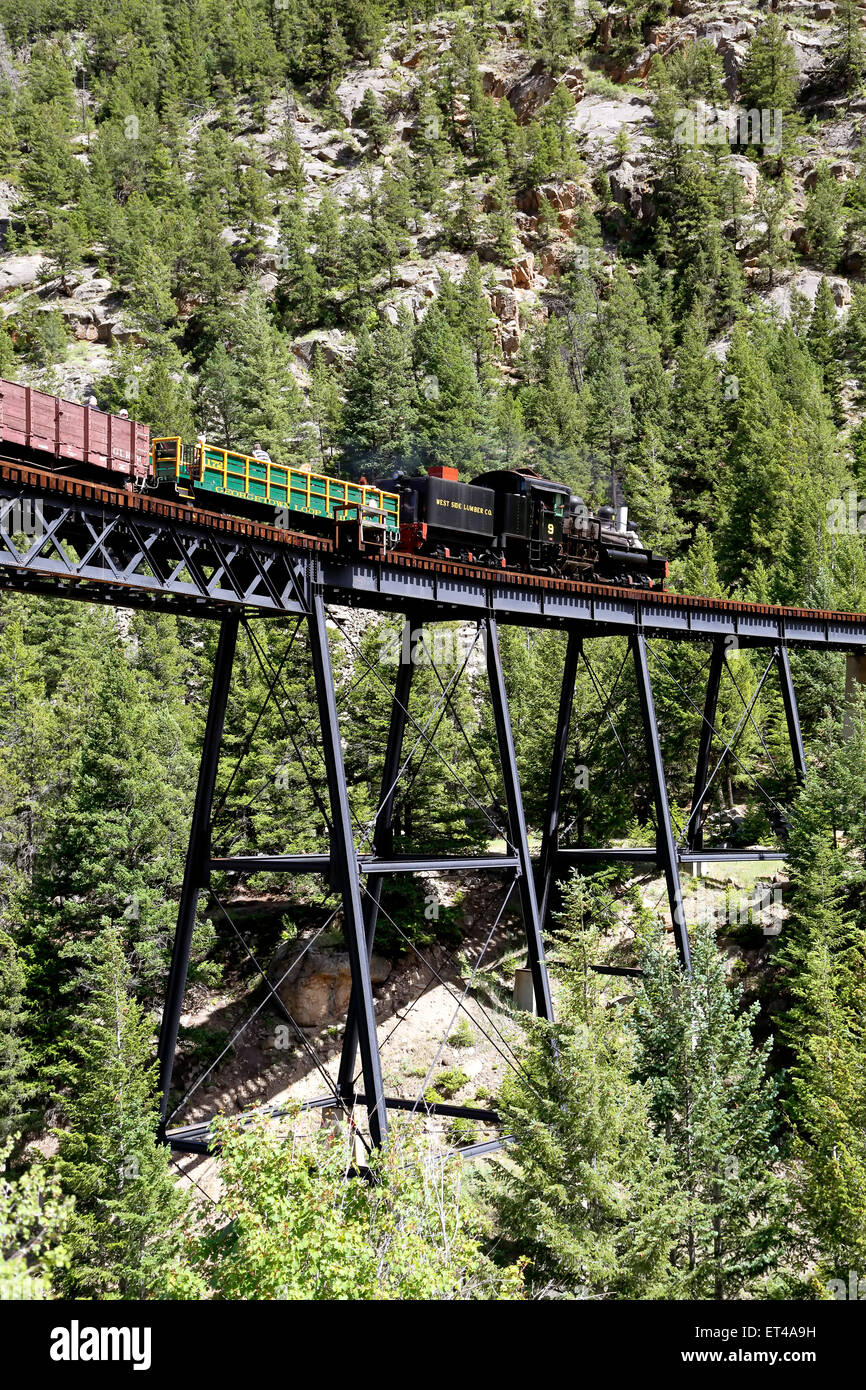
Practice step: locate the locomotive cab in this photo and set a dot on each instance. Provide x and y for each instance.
(528, 514)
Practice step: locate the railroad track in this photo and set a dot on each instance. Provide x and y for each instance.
(18, 473)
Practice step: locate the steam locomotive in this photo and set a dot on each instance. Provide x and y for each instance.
(513, 518)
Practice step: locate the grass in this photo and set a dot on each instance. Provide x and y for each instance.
(448, 1082)
(463, 1035)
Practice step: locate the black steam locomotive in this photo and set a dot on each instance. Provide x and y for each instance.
(513, 518)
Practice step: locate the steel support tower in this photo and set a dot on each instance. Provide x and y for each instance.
(92, 543)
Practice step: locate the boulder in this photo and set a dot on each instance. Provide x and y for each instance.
(407, 276)
(113, 331)
(523, 272)
(318, 993)
(809, 53)
(565, 194)
(494, 82)
(747, 173)
(509, 338)
(554, 258)
(841, 291)
(503, 302)
(329, 342)
(574, 80)
(16, 272)
(842, 170)
(530, 92)
(97, 288)
(629, 188)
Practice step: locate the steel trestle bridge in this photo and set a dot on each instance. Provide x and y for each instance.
(62, 537)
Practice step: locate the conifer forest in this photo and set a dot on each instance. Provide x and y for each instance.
(621, 247)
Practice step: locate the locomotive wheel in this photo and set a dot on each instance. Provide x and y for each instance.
(490, 558)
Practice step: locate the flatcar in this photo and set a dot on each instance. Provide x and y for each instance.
(507, 518)
(364, 517)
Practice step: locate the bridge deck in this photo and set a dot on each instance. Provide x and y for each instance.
(101, 544)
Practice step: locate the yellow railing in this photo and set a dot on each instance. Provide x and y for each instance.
(208, 456)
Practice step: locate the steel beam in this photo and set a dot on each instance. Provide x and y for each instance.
(695, 827)
(272, 863)
(383, 841)
(197, 858)
(666, 844)
(435, 1107)
(792, 714)
(517, 822)
(367, 863)
(344, 861)
(731, 856)
(550, 833)
(617, 854)
(606, 854)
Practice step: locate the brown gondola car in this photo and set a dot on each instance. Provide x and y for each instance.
(34, 425)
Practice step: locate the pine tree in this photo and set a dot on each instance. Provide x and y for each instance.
(585, 1192)
(769, 76)
(16, 1087)
(823, 341)
(449, 405)
(370, 117)
(463, 222)
(766, 448)
(824, 968)
(846, 59)
(67, 249)
(700, 434)
(113, 849)
(326, 408)
(379, 414)
(610, 423)
(218, 391)
(299, 289)
(855, 333)
(122, 1237)
(269, 401)
(293, 176)
(325, 228)
(509, 434)
(772, 205)
(500, 220)
(649, 494)
(474, 320)
(165, 396)
(823, 218)
(712, 1099)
